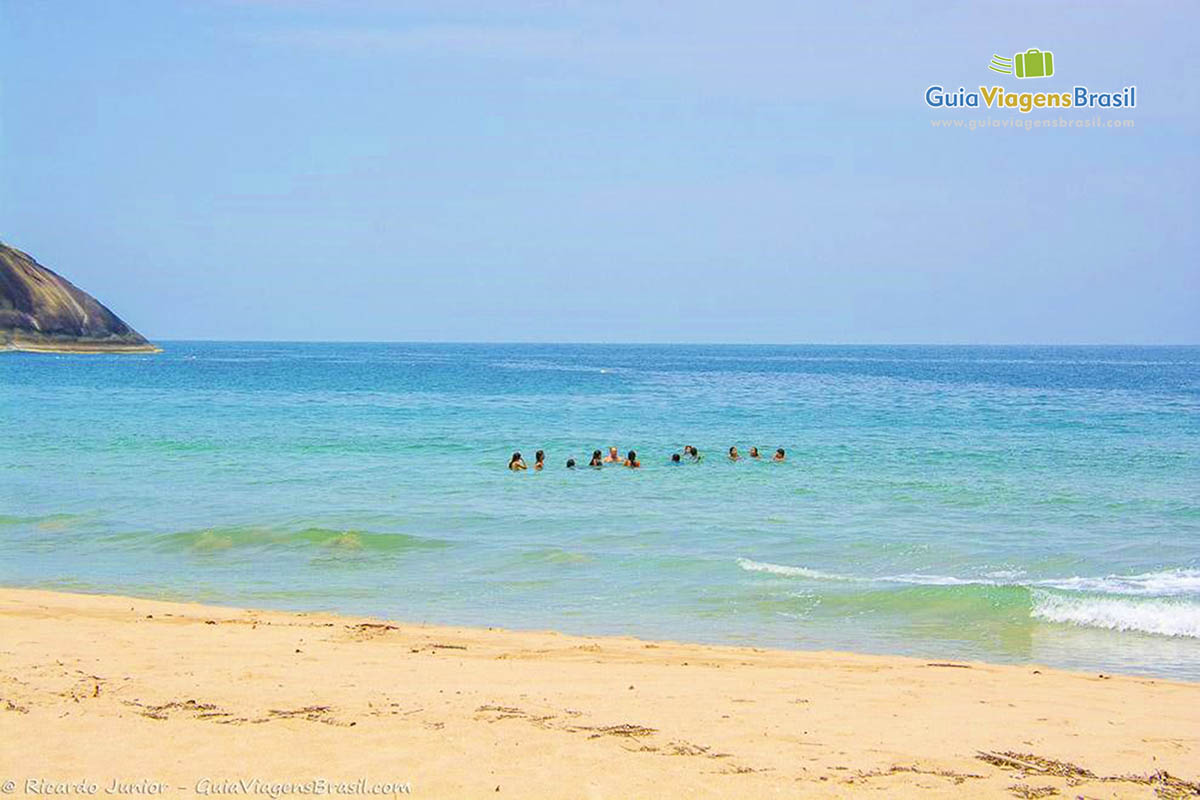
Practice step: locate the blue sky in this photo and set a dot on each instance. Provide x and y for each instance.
(626, 171)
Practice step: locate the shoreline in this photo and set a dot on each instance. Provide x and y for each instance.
(79, 349)
(106, 687)
(651, 637)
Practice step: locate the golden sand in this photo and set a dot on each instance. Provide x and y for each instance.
(178, 700)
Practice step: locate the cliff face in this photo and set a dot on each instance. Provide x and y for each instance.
(42, 311)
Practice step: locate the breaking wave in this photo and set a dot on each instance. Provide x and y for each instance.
(1165, 603)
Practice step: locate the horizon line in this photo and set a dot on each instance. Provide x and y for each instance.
(670, 343)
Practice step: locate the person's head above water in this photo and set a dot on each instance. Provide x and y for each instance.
(570, 463)
(779, 454)
(631, 459)
(540, 455)
(515, 458)
(733, 453)
(612, 451)
(754, 452)
(674, 458)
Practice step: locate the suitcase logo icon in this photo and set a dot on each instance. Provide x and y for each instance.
(1033, 63)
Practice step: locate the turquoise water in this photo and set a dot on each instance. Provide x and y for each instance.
(1009, 504)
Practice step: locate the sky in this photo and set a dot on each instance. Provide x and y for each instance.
(641, 171)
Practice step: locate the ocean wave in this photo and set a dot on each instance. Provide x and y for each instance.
(1170, 582)
(819, 575)
(793, 572)
(1162, 603)
(1005, 574)
(44, 522)
(1162, 617)
(215, 540)
(553, 366)
(1165, 583)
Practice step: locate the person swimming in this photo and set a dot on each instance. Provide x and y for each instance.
(516, 463)
(733, 454)
(539, 460)
(754, 453)
(675, 458)
(596, 461)
(612, 457)
(779, 455)
(570, 463)
(692, 452)
(631, 460)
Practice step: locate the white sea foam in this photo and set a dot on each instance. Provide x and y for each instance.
(818, 575)
(1166, 603)
(793, 572)
(1166, 583)
(939, 580)
(1162, 617)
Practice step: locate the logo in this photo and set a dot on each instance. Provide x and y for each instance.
(1033, 63)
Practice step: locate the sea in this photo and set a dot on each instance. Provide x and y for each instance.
(1027, 505)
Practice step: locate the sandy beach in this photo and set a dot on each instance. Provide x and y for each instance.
(184, 699)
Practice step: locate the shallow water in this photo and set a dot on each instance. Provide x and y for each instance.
(1002, 503)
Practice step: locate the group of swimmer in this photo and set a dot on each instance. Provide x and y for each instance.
(516, 463)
